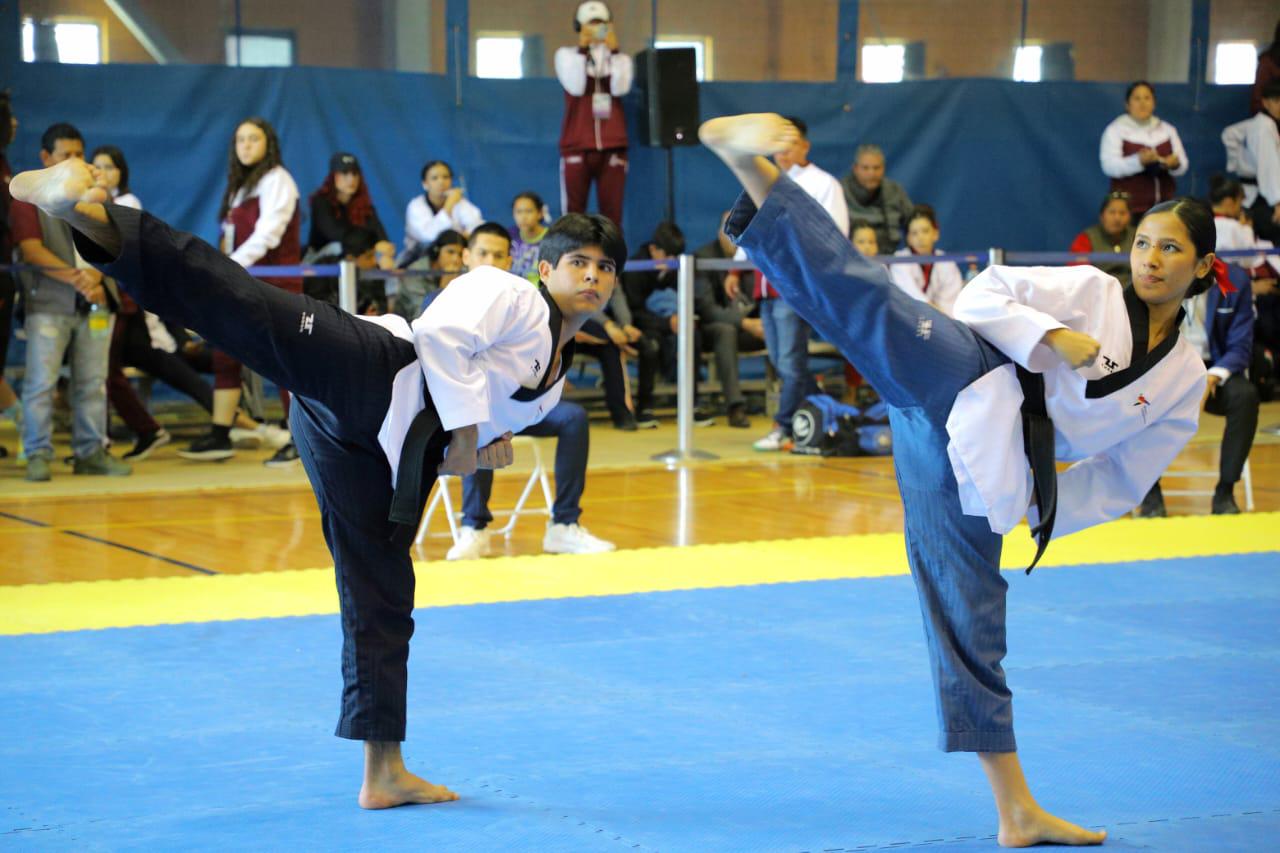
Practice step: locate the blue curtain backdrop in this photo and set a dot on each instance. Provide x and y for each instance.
(1007, 164)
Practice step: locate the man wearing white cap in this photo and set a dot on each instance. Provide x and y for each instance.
(593, 138)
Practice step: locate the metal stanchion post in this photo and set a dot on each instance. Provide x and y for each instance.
(686, 364)
(995, 257)
(347, 286)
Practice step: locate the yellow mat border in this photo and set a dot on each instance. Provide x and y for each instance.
(73, 606)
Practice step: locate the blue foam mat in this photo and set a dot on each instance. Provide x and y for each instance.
(792, 717)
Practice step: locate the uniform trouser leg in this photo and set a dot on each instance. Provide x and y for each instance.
(1238, 401)
(477, 488)
(919, 360)
(341, 369)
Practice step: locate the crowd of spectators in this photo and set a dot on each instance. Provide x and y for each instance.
(261, 216)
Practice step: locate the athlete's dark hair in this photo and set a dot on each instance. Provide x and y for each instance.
(117, 157)
(1222, 188)
(490, 228)
(576, 230)
(1197, 218)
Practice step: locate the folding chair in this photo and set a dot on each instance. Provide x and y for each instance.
(441, 495)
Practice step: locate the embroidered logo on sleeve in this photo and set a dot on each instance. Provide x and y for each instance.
(1144, 404)
(308, 323)
(924, 328)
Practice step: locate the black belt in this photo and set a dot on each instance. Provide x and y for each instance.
(1037, 442)
(1249, 182)
(420, 458)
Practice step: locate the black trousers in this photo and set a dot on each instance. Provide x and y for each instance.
(340, 370)
(615, 386)
(1237, 400)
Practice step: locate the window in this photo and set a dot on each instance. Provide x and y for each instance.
(259, 49)
(1026, 63)
(78, 42)
(500, 57)
(1234, 62)
(701, 52)
(883, 63)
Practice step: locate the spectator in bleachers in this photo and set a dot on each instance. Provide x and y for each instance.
(1219, 323)
(1113, 232)
(1268, 69)
(530, 215)
(654, 303)
(936, 283)
(864, 237)
(10, 405)
(261, 226)
(113, 176)
(490, 245)
(786, 333)
(342, 204)
(608, 336)
(441, 207)
(595, 76)
(61, 321)
(1253, 153)
(724, 325)
(1141, 153)
(443, 257)
(875, 199)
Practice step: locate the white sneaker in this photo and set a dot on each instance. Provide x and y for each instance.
(274, 437)
(472, 544)
(241, 437)
(573, 539)
(775, 440)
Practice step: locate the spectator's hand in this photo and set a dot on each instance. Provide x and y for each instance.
(89, 286)
(611, 38)
(1275, 214)
(1211, 384)
(384, 255)
(633, 334)
(674, 320)
(1171, 162)
(754, 327)
(1264, 286)
(733, 285)
(584, 37)
(497, 454)
(460, 456)
(1075, 348)
(584, 338)
(618, 335)
(1147, 156)
(451, 199)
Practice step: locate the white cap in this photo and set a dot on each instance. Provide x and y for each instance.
(593, 10)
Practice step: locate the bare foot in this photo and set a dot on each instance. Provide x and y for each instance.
(58, 189)
(1037, 826)
(388, 784)
(750, 135)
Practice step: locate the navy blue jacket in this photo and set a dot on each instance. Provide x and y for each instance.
(1229, 320)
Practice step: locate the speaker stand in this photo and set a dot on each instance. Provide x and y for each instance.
(671, 183)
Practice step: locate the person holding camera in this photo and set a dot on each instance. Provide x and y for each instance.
(593, 137)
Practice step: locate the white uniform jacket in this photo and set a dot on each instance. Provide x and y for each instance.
(1120, 421)
(945, 282)
(485, 346)
(1253, 152)
(422, 226)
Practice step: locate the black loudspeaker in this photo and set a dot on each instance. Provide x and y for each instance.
(667, 82)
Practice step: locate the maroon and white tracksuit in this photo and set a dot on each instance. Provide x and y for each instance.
(593, 137)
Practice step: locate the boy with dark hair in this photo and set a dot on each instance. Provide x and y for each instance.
(490, 245)
(380, 407)
(67, 310)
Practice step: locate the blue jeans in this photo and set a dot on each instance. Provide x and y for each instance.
(48, 337)
(786, 336)
(918, 359)
(568, 422)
